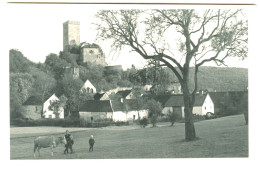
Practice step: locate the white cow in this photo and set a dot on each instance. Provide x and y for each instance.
(47, 141)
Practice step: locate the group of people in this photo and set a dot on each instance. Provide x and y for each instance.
(70, 142)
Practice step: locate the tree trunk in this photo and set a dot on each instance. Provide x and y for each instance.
(190, 133)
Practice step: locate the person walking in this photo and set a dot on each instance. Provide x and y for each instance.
(69, 142)
(91, 143)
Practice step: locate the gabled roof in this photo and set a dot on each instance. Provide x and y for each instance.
(98, 96)
(96, 106)
(124, 93)
(33, 100)
(127, 105)
(162, 98)
(177, 100)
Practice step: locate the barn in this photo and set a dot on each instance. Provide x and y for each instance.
(32, 108)
(93, 110)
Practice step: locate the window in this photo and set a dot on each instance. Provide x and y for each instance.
(36, 109)
(91, 118)
(50, 116)
(205, 107)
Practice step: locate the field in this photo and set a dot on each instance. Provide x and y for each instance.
(217, 138)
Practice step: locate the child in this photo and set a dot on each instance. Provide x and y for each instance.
(91, 143)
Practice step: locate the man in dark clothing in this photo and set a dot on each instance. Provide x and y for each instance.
(91, 143)
(69, 142)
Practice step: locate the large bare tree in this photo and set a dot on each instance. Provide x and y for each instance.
(178, 39)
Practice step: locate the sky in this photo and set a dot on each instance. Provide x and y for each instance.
(37, 30)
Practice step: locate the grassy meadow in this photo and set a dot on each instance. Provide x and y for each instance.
(217, 138)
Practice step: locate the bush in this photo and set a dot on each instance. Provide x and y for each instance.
(143, 122)
(121, 123)
(172, 117)
(154, 120)
(68, 122)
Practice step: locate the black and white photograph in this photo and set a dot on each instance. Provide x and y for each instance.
(115, 81)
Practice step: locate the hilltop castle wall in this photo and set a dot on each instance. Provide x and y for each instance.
(71, 34)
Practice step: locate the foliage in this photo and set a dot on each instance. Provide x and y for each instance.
(57, 105)
(56, 65)
(173, 117)
(201, 37)
(155, 110)
(20, 87)
(18, 63)
(143, 122)
(71, 89)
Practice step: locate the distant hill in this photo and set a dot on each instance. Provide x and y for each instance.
(223, 78)
(220, 78)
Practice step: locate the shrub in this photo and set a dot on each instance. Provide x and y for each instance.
(172, 117)
(143, 122)
(154, 120)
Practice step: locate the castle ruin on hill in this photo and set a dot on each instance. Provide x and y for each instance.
(83, 52)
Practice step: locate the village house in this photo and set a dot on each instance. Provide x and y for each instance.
(88, 87)
(174, 103)
(125, 94)
(128, 110)
(32, 108)
(48, 112)
(93, 110)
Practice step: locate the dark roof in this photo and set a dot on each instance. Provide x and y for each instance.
(127, 105)
(96, 106)
(163, 98)
(33, 100)
(177, 100)
(219, 97)
(124, 93)
(98, 96)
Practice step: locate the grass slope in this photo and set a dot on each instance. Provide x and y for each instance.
(223, 137)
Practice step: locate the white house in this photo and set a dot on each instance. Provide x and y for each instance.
(203, 104)
(47, 112)
(88, 87)
(127, 110)
(92, 110)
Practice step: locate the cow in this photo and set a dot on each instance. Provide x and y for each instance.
(47, 141)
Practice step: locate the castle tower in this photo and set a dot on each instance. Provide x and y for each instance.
(71, 34)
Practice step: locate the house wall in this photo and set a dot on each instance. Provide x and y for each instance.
(105, 97)
(166, 110)
(95, 115)
(88, 86)
(197, 110)
(47, 113)
(134, 115)
(119, 116)
(129, 96)
(32, 111)
(208, 106)
(93, 55)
